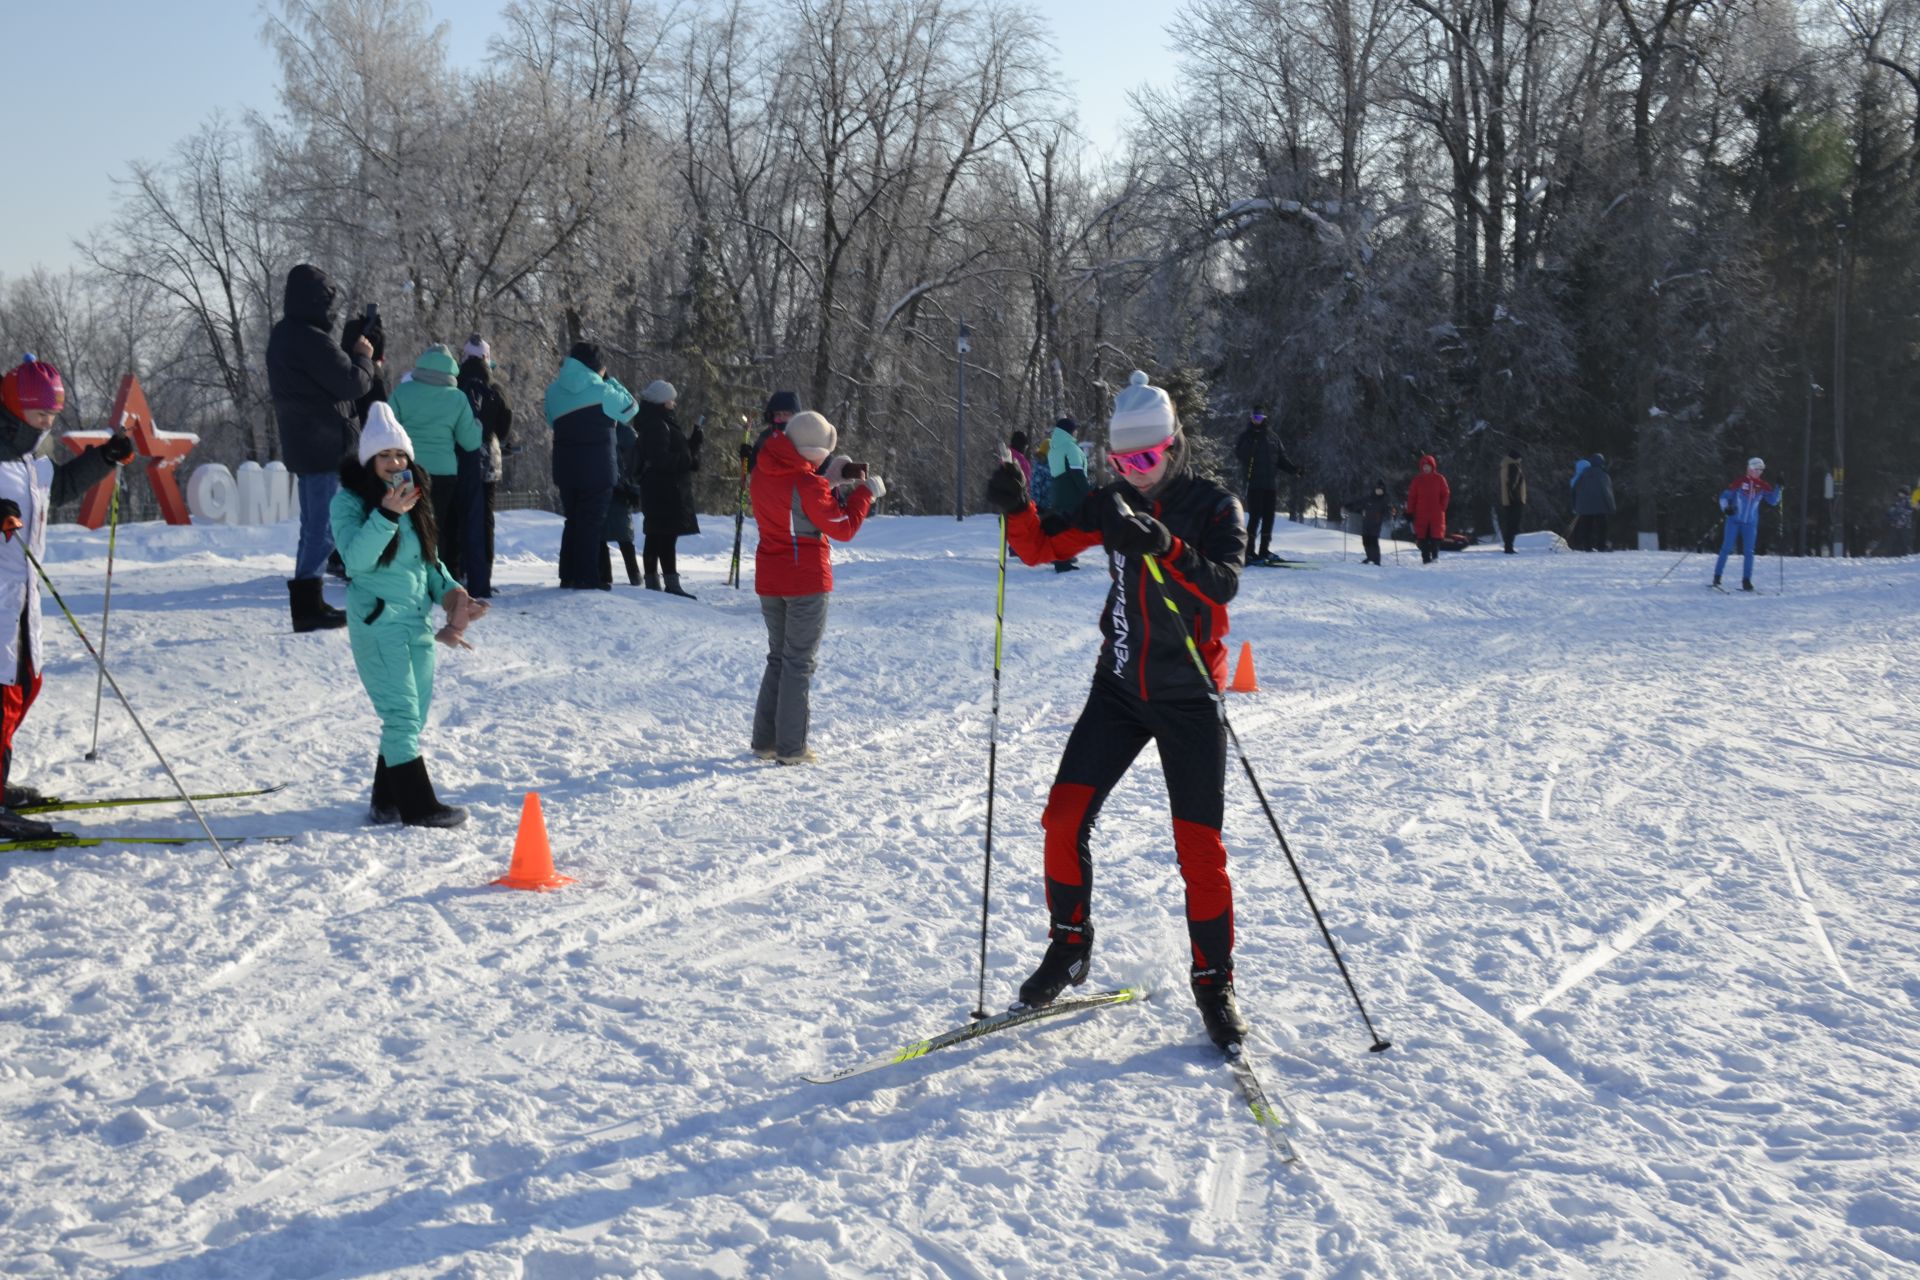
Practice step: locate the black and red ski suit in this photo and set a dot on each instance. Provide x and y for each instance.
(1146, 687)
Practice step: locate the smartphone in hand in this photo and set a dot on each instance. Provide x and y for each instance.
(400, 479)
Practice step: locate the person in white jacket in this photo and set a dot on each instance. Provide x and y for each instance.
(31, 397)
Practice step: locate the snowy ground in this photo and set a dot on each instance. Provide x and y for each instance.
(1627, 872)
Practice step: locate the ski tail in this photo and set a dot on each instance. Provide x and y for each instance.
(56, 804)
(74, 840)
(1017, 1017)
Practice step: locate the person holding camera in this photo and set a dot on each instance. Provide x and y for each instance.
(388, 540)
(315, 386)
(31, 397)
(494, 412)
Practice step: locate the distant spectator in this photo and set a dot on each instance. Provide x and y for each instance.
(620, 508)
(314, 386)
(438, 418)
(1374, 510)
(583, 405)
(1592, 503)
(1068, 485)
(668, 459)
(1513, 498)
(1427, 499)
(495, 415)
(1262, 459)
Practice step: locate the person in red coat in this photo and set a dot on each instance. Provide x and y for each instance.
(797, 508)
(1427, 499)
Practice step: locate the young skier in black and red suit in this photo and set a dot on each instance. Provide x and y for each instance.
(1145, 686)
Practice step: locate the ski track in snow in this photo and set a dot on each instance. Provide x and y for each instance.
(1626, 874)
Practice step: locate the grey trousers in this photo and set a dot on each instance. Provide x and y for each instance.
(794, 627)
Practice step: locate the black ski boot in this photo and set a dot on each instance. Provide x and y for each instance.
(1746, 584)
(19, 793)
(1065, 965)
(385, 810)
(1220, 1012)
(14, 826)
(1716, 579)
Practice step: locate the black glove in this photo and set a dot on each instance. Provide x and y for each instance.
(9, 510)
(628, 494)
(1007, 489)
(1130, 533)
(746, 453)
(117, 449)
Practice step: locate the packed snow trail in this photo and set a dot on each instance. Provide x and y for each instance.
(352, 1058)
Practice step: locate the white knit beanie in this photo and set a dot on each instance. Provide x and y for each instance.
(1756, 464)
(659, 391)
(1142, 417)
(477, 346)
(382, 432)
(812, 435)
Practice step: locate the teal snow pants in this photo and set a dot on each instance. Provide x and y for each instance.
(395, 662)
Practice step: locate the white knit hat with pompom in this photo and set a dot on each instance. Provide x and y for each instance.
(1142, 417)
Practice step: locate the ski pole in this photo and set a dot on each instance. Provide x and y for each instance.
(106, 612)
(993, 754)
(1213, 691)
(1781, 537)
(740, 507)
(119, 693)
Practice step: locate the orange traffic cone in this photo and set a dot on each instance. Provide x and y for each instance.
(532, 857)
(1243, 679)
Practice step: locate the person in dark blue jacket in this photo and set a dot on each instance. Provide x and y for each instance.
(1741, 501)
(583, 405)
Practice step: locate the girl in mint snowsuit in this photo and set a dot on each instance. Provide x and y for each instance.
(387, 537)
(1742, 501)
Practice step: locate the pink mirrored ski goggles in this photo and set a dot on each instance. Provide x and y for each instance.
(1128, 464)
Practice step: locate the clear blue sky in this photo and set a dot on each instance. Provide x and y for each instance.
(99, 83)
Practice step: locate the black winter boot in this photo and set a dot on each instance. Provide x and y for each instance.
(673, 587)
(412, 792)
(385, 809)
(310, 612)
(1746, 584)
(633, 564)
(1069, 956)
(1220, 1012)
(653, 582)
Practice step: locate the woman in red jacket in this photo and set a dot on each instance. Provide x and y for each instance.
(1427, 499)
(797, 509)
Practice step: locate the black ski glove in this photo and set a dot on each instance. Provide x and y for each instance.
(9, 515)
(1132, 534)
(117, 449)
(1007, 489)
(695, 440)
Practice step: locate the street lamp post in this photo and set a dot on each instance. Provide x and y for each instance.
(961, 347)
(1840, 397)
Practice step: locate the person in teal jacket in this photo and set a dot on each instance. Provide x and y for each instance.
(1067, 466)
(388, 540)
(439, 419)
(583, 406)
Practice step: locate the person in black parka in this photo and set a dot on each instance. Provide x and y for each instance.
(1374, 510)
(495, 414)
(1262, 459)
(315, 388)
(1592, 503)
(668, 459)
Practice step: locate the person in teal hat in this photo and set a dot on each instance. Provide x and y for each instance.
(439, 420)
(389, 542)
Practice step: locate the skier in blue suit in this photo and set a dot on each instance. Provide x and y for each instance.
(1741, 501)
